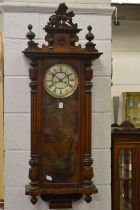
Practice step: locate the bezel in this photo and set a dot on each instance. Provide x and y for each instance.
(72, 90)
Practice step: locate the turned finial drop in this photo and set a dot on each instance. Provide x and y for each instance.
(34, 199)
(88, 198)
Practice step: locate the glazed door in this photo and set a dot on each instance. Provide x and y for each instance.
(61, 136)
(125, 163)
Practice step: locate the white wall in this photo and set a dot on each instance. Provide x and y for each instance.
(60, 1)
(126, 59)
(17, 107)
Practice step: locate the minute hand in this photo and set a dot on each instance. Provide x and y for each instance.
(57, 78)
(66, 77)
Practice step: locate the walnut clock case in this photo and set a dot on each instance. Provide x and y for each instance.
(61, 163)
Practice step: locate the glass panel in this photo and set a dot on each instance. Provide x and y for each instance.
(61, 139)
(125, 177)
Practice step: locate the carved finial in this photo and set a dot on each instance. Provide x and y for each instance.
(30, 35)
(89, 36)
(127, 124)
(62, 8)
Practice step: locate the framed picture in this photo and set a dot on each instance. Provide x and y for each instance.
(131, 108)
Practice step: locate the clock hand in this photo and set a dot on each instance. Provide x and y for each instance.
(64, 77)
(61, 80)
(68, 75)
(57, 77)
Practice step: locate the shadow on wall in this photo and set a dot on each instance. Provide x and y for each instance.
(1, 23)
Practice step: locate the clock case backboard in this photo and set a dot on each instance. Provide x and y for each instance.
(61, 160)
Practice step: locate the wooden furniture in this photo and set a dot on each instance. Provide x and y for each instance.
(126, 167)
(61, 163)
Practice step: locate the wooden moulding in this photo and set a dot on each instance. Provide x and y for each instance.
(60, 198)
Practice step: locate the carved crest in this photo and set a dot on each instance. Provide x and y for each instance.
(61, 36)
(61, 19)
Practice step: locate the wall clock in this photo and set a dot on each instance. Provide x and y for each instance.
(61, 162)
(61, 80)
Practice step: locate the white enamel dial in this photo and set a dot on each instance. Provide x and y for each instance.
(60, 80)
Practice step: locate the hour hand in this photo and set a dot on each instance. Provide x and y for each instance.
(57, 78)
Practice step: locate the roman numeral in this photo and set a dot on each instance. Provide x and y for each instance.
(52, 74)
(66, 70)
(70, 85)
(60, 68)
(50, 85)
(55, 71)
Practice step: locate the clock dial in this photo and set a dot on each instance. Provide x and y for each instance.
(60, 80)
